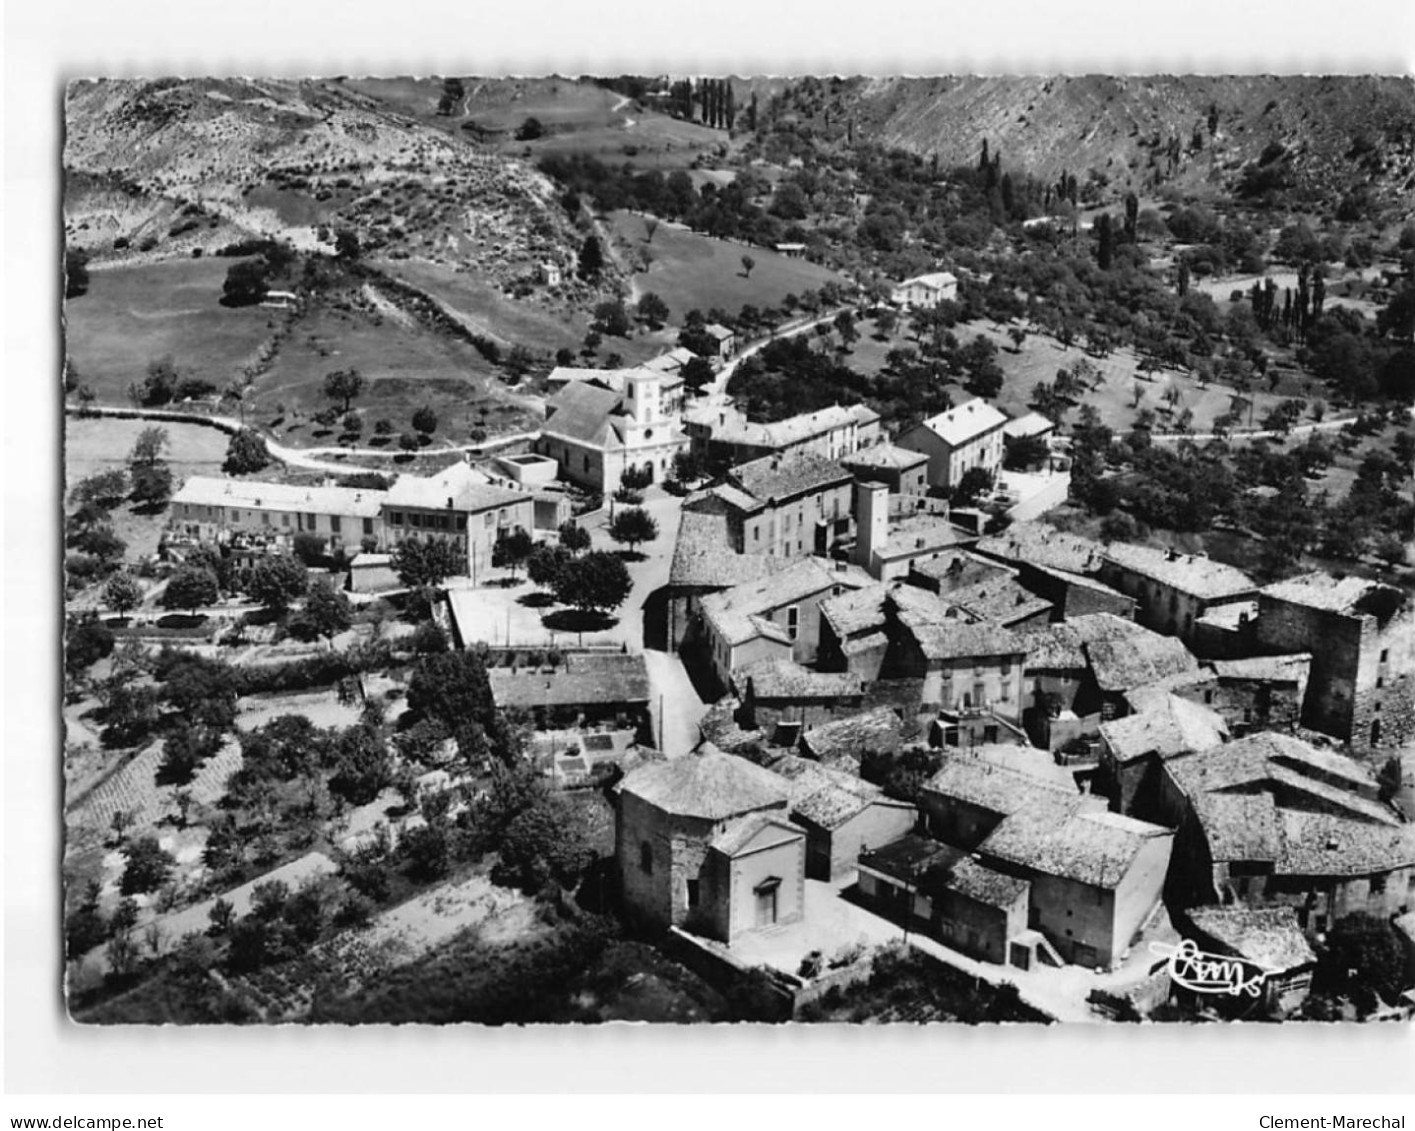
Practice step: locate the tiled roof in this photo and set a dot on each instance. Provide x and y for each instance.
(965, 422)
(1229, 617)
(1321, 844)
(1278, 669)
(585, 678)
(937, 280)
(857, 611)
(786, 679)
(1269, 937)
(718, 331)
(1133, 661)
(710, 785)
(1033, 424)
(952, 571)
(1062, 646)
(972, 879)
(462, 484)
(1254, 759)
(1090, 847)
(921, 534)
(885, 457)
(737, 429)
(610, 378)
(1187, 573)
(744, 830)
(1177, 726)
(863, 414)
(733, 611)
(880, 730)
(208, 491)
(586, 413)
(999, 599)
(1239, 826)
(785, 477)
(825, 797)
(908, 858)
(703, 555)
(1353, 596)
(957, 641)
(1038, 544)
(995, 788)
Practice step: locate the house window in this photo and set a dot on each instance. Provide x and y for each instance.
(501, 517)
(395, 518)
(334, 524)
(1208, 697)
(368, 526)
(1385, 654)
(692, 893)
(415, 520)
(265, 518)
(793, 620)
(646, 858)
(284, 520)
(490, 519)
(1378, 885)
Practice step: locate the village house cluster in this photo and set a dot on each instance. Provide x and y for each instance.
(1123, 744)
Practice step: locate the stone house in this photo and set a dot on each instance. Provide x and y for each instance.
(788, 507)
(889, 545)
(843, 816)
(723, 437)
(208, 509)
(1132, 748)
(904, 472)
(776, 617)
(1171, 590)
(1254, 694)
(460, 506)
(955, 569)
(705, 562)
(1264, 938)
(844, 741)
(966, 436)
(725, 338)
(703, 842)
(1270, 819)
(782, 698)
(587, 689)
(1361, 635)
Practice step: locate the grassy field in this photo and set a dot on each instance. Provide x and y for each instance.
(487, 309)
(690, 270)
(1041, 356)
(132, 315)
(404, 366)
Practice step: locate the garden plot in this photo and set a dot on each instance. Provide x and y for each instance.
(321, 708)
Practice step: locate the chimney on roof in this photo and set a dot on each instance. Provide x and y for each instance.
(1333, 845)
(1171, 555)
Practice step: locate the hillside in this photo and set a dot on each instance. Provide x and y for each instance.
(164, 168)
(1336, 133)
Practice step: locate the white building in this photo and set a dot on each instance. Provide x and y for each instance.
(926, 290)
(966, 436)
(210, 509)
(460, 506)
(597, 434)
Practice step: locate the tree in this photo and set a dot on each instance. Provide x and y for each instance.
(148, 866)
(1362, 958)
(75, 272)
(612, 319)
(184, 750)
(747, 264)
(327, 611)
(122, 594)
(152, 486)
(189, 589)
(346, 245)
(633, 525)
(591, 264)
(408, 442)
(545, 562)
(698, 373)
(246, 453)
(425, 420)
(653, 311)
(530, 130)
(426, 565)
(574, 537)
(86, 641)
(976, 482)
(598, 582)
(845, 327)
(148, 448)
(343, 385)
(246, 283)
(511, 549)
(362, 767)
(278, 580)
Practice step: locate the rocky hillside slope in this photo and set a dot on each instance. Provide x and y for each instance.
(162, 168)
(1335, 133)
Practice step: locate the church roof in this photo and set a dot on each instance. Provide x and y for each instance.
(711, 785)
